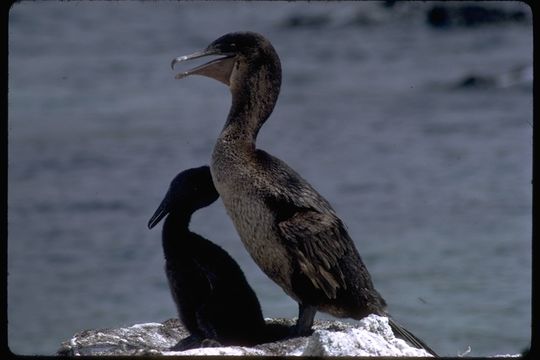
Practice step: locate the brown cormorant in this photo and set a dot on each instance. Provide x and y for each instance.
(291, 231)
(214, 300)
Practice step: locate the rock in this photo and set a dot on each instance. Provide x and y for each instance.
(149, 338)
(444, 16)
(370, 336)
(518, 76)
(304, 20)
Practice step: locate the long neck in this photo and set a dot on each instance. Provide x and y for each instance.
(176, 234)
(254, 95)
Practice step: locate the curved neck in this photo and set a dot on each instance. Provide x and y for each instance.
(175, 233)
(254, 90)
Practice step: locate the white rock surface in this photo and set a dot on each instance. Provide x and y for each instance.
(370, 336)
(231, 350)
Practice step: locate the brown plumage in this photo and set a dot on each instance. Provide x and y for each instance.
(291, 231)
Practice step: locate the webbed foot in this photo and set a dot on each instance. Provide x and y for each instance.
(210, 343)
(191, 342)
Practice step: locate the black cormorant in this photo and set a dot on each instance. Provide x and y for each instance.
(291, 231)
(214, 300)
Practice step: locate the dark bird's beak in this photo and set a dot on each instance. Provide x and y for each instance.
(160, 213)
(219, 69)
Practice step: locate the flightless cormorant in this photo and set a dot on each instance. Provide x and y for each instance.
(214, 300)
(289, 229)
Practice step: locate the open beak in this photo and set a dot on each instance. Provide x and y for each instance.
(160, 213)
(219, 69)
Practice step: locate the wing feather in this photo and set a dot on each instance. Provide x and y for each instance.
(317, 240)
(309, 227)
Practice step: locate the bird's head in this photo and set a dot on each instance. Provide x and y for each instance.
(189, 191)
(238, 52)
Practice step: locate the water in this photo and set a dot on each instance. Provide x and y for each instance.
(432, 180)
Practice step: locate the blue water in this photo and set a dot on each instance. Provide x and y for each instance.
(432, 179)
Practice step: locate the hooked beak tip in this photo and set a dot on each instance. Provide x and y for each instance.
(176, 60)
(156, 218)
(160, 213)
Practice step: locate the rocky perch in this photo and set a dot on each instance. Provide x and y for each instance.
(370, 336)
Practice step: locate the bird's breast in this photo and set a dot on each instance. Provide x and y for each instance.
(236, 182)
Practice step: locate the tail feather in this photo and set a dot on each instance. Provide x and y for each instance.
(402, 333)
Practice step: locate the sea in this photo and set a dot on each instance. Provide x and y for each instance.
(413, 119)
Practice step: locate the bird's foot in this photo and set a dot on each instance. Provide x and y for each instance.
(210, 343)
(191, 342)
(298, 331)
(303, 325)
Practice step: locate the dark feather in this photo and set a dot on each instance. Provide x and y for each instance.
(311, 236)
(402, 333)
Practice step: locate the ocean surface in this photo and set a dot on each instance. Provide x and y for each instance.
(419, 136)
